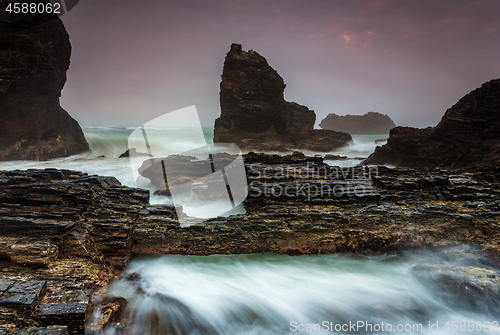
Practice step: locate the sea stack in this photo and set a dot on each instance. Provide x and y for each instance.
(466, 138)
(370, 123)
(34, 56)
(255, 115)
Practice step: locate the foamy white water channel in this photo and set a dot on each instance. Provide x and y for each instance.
(278, 294)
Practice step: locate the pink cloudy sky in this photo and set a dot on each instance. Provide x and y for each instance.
(134, 60)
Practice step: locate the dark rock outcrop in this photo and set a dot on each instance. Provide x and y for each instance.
(63, 234)
(184, 169)
(134, 153)
(34, 56)
(468, 136)
(370, 123)
(255, 115)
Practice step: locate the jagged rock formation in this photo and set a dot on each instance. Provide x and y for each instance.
(133, 152)
(255, 115)
(370, 123)
(62, 235)
(34, 56)
(468, 136)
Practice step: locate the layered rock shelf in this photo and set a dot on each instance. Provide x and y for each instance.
(63, 234)
(75, 232)
(255, 115)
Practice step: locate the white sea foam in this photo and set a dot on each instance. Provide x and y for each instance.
(263, 294)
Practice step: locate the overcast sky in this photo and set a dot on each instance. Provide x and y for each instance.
(134, 60)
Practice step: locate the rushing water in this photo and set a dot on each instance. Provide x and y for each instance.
(279, 294)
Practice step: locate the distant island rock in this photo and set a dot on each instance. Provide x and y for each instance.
(255, 115)
(466, 138)
(34, 56)
(370, 123)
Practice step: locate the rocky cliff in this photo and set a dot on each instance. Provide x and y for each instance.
(255, 115)
(468, 136)
(34, 56)
(63, 234)
(370, 123)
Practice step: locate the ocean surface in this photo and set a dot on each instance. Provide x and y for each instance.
(108, 143)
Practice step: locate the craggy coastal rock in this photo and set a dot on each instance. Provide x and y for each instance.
(369, 123)
(255, 115)
(134, 153)
(310, 207)
(467, 138)
(34, 56)
(65, 234)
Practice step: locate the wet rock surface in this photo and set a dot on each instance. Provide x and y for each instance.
(471, 282)
(182, 169)
(255, 115)
(164, 314)
(314, 208)
(133, 152)
(77, 232)
(21, 295)
(63, 235)
(467, 138)
(108, 310)
(51, 330)
(35, 55)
